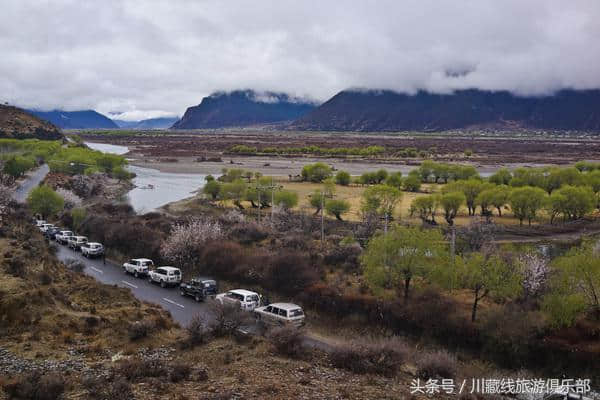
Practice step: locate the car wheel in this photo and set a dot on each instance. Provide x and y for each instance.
(124, 270)
(163, 284)
(197, 298)
(135, 274)
(181, 292)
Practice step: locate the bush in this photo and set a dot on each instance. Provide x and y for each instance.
(316, 172)
(248, 232)
(291, 272)
(287, 341)
(384, 357)
(101, 389)
(179, 372)
(198, 333)
(342, 178)
(227, 318)
(135, 369)
(140, 329)
(36, 386)
(438, 364)
(74, 265)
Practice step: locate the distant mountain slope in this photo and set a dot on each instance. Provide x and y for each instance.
(242, 108)
(152, 123)
(390, 111)
(18, 124)
(85, 119)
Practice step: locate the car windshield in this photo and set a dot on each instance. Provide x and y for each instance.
(252, 297)
(146, 263)
(296, 313)
(176, 272)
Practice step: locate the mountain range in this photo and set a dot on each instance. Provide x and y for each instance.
(16, 123)
(152, 123)
(384, 110)
(243, 108)
(84, 119)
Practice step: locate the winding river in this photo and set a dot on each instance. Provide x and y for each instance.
(153, 187)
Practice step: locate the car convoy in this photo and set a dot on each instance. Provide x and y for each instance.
(199, 288)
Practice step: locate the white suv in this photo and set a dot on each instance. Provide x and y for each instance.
(280, 314)
(45, 227)
(92, 249)
(138, 266)
(62, 237)
(246, 299)
(166, 276)
(75, 242)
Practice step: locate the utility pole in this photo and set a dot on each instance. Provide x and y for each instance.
(258, 192)
(322, 217)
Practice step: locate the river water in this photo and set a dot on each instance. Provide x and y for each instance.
(165, 187)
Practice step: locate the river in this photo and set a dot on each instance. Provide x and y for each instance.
(153, 187)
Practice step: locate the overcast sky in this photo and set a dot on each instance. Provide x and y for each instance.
(155, 58)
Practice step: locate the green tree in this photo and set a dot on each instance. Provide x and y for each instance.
(342, 178)
(381, 200)
(501, 177)
(572, 202)
(394, 179)
(381, 175)
(451, 203)
(78, 215)
(500, 195)
(485, 275)
(316, 172)
(234, 191)
(45, 201)
(16, 166)
(286, 199)
(441, 172)
(426, 170)
(470, 188)
(212, 188)
(121, 173)
(526, 201)
(593, 180)
(395, 259)
(337, 208)
(317, 200)
(412, 183)
(575, 287)
(425, 207)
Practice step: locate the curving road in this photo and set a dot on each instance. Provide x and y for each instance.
(31, 181)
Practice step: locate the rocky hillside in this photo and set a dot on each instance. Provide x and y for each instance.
(242, 108)
(18, 124)
(85, 119)
(371, 110)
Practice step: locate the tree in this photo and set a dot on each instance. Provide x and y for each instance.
(212, 188)
(121, 173)
(501, 177)
(380, 175)
(286, 199)
(425, 207)
(401, 255)
(78, 215)
(470, 188)
(394, 179)
(16, 166)
(316, 172)
(593, 180)
(572, 202)
(342, 178)
(484, 200)
(235, 191)
(441, 171)
(451, 203)
(499, 199)
(45, 201)
(184, 244)
(337, 208)
(426, 169)
(317, 200)
(526, 202)
(381, 200)
(575, 287)
(558, 177)
(412, 183)
(485, 275)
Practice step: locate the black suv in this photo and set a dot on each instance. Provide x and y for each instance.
(199, 288)
(51, 232)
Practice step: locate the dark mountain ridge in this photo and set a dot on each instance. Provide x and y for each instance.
(242, 108)
(16, 123)
(385, 110)
(84, 119)
(150, 123)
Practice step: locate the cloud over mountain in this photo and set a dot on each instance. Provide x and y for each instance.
(161, 56)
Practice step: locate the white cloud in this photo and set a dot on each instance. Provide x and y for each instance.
(156, 58)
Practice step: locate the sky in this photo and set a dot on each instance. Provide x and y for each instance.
(140, 59)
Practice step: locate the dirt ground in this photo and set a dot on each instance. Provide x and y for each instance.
(183, 152)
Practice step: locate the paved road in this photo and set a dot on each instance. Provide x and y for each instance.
(182, 308)
(33, 179)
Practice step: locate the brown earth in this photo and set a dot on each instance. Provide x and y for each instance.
(18, 124)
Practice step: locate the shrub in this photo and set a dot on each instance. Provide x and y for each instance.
(248, 232)
(227, 318)
(384, 357)
(36, 386)
(316, 172)
(101, 389)
(140, 329)
(222, 258)
(135, 369)
(286, 199)
(438, 364)
(198, 333)
(290, 273)
(342, 178)
(287, 341)
(45, 201)
(179, 372)
(74, 265)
